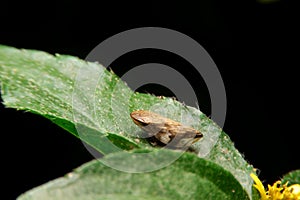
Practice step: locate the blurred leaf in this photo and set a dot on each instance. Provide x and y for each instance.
(187, 178)
(292, 177)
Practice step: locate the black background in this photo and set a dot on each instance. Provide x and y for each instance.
(254, 45)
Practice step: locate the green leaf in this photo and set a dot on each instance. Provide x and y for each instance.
(187, 178)
(255, 194)
(292, 177)
(94, 105)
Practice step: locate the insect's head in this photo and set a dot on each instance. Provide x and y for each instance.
(140, 118)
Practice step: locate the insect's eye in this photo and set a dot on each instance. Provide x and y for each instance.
(142, 123)
(198, 135)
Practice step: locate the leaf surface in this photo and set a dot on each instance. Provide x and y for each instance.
(94, 105)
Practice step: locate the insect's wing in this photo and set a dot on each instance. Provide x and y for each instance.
(184, 136)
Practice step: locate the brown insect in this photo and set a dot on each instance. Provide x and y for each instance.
(165, 130)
